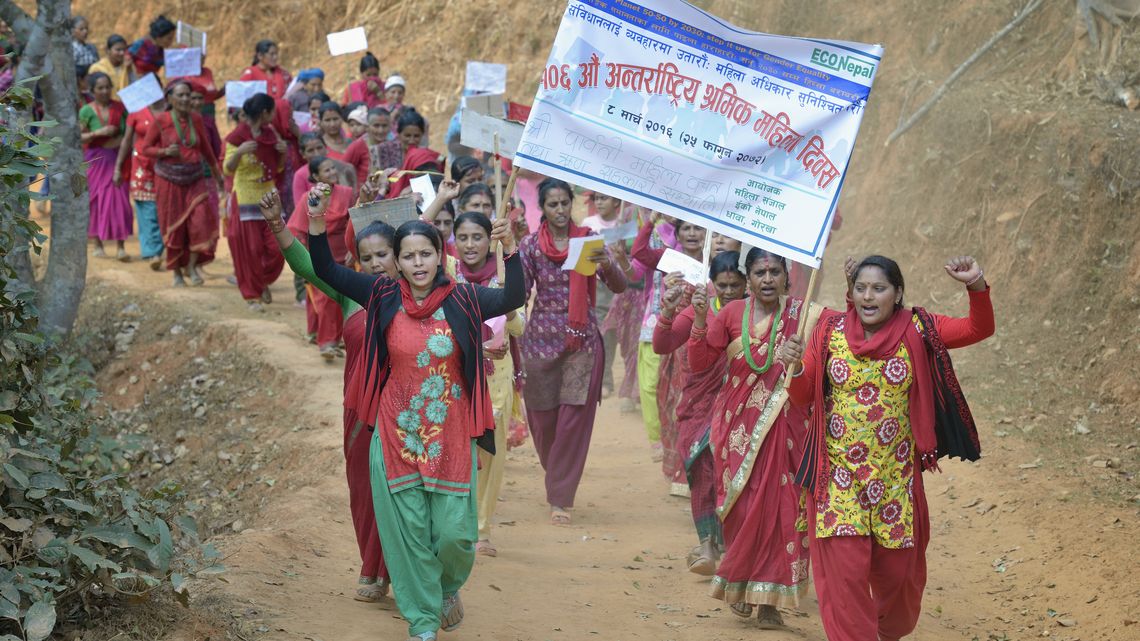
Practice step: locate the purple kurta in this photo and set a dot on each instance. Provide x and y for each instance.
(563, 388)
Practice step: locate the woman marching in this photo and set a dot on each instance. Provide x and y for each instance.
(265, 67)
(562, 348)
(477, 265)
(115, 65)
(421, 375)
(140, 178)
(756, 439)
(177, 141)
(373, 249)
(888, 405)
(102, 124)
(369, 89)
(695, 405)
(255, 158)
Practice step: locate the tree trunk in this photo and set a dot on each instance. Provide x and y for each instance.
(48, 54)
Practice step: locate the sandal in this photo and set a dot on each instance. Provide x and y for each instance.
(452, 615)
(196, 278)
(559, 516)
(328, 352)
(256, 307)
(742, 610)
(266, 296)
(178, 280)
(703, 566)
(768, 618)
(484, 547)
(122, 256)
(155, 262)
(423, 636)
(371, 590)
(99, 252)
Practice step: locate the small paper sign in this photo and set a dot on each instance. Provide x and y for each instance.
(478, 132)
(497, 326)
(191, 37)
(619, 233)
(578, 254)
(486, 77)
(302, 118)
(423, 186)
(490, 104)
(238, 91)
(141, 93)
(183, 62)
(394, 211)
(693, 271)
(350, 41)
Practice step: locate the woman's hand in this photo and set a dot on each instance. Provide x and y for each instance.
(600, 257)
(171, 151)
(372, 188)
(700, 302)
(320, 192)
(247, 147)
(501, 231)
(965, 269)
(117, 176)
(107, 132)
(791, 354)
(270, 206)
(673, 279)
(670, 300)
(448, 190)
(281, 145)
(849, 266)
(496, 353)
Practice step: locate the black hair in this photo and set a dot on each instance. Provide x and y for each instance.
(75, 20)
(378, 111)
(308, 137)
(326, 107)
(262, 47)
(369, 61)
(890, 269)
(420, 228)
(93, 79)
(472, 190)
(409, 117)
(257, 104)
(462, 166)
(549, 185)
(377, 228)
(349, 107)
(320, 95)
(315, 167)
(725, 262)
(174, 83)
(115, 39)
(756, 254)
(474, 217)
(678, 222)
(161, 26)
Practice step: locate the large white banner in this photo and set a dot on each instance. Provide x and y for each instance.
(671, 108)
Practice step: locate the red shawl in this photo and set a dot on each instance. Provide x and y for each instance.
(414, 157)
(266, 153)
(336, 219)
(116, 112)
(583, 289)
(357, 91)
(882, 345)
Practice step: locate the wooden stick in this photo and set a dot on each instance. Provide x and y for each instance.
(708, 250)
(504, 211)
(447, 166)
(808, 296)
(937, 95)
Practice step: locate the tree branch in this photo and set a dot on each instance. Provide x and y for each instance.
(16, 18)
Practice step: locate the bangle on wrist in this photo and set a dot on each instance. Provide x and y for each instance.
(312, 215)
(981, 275)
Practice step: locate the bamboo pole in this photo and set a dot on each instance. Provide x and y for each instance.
(504, 211)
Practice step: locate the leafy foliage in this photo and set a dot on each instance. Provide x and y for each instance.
(74, 529)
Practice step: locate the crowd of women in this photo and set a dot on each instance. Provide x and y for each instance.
(799, 434)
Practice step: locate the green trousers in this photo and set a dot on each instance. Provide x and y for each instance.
(428, 541)
(648, 363)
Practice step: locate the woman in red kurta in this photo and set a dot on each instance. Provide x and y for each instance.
(265, 68)
(177, 141)
(756, 438)
(369, 89)
(694, 410)
(330, 322)
(887, 407)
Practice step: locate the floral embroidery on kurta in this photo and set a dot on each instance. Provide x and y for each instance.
(870, 446)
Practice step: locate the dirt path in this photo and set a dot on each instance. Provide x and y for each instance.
(1012, 556)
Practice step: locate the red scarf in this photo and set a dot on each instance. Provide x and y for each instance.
(483, 275)
(414, 157)
(266, 152)
(583, 289)
(420, 311)
(882, 345)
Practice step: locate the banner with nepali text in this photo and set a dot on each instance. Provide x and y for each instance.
(671, 108)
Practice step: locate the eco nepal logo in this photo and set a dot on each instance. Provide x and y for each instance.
(844, 63)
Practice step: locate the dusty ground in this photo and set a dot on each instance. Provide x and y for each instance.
(1013, 555)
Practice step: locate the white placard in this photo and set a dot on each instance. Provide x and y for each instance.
(619, 233)
(350, 41)
(692, 270)
(141, 93)
(183, 62)
(191, 37)
(486, 77)
(238, 91)
(489, 104)
(422, 186)
(478, 132)
(302, 118)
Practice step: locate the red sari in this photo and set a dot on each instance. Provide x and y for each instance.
(329, 317)
(756, 441)
(358, 91)
(276, 81)
(187, 221)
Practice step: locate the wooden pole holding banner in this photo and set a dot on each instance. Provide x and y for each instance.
(708, 250)
(504, 211)
(802, 327)
(501, 266)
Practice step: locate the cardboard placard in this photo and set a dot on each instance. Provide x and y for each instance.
(191, 37)
(478, 132)
(394, 211)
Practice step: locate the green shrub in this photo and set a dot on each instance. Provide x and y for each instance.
(74, 529)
